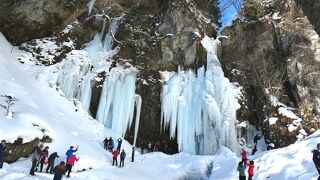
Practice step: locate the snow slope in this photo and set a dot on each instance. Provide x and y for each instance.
(42, 105)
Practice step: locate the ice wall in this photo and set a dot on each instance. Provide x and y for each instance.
(80, 71)
(201, 106)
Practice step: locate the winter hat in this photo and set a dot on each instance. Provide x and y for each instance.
(71, 147)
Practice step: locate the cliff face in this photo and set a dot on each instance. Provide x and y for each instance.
(161, 39)
(276, 50)
(154, 36)
(311, 10)
(21, 21)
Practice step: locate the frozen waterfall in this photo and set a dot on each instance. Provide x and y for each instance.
(82, 70)
(201, 106)
(118, 102)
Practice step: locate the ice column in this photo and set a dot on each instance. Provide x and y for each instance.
(118, 103)
(201, 106)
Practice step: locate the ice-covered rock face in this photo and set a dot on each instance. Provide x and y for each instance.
(77, 75)
(24, 20)
(200, 106)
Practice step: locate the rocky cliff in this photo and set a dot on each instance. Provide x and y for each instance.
(274, 48)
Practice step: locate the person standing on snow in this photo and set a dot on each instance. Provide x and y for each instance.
(316, 158)
(43, 157)
(119, 144)
(251, 169)
(59, 171)
(2, 149)
(70, 163)
(132, 155)
(35, 158)
(70, 152)
(105, 143)
(122, 157)
(242, 168)
(115, 158)
(244, 155)
(51, 159)
(110, 144)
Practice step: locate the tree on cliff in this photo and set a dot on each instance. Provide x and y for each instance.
(211, 8)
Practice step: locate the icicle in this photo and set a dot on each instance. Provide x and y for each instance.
(103, 28)
(108, 40)
(90, 6)
(116, 106)
(138, 102)
(84, 95)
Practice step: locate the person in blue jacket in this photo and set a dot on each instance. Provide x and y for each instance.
(2, 149)
(70, 152)
(316, 158)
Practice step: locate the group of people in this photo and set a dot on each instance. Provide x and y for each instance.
(243, 164)
(109, 146)
(170, 147)
(40, 156)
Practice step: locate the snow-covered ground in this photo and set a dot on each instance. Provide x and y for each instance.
(45, 106)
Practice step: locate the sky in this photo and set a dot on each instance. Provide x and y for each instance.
(228, 14)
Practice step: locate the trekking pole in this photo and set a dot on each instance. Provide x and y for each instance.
(78, 164)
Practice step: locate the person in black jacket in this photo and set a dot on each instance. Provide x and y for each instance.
(132, 155)
(316, 158)
(105, 143)
(51, 159)
(2, 149)
(122, 157)
(119, 144)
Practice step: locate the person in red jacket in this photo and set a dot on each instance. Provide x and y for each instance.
(70, 163)
(43, 157)
(251, 169)
(115, 156)
(244, 155)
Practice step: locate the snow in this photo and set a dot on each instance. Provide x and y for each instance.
(285, 112)
(273, 120)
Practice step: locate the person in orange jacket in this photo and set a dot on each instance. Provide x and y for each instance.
(251, 169)
(70, 163)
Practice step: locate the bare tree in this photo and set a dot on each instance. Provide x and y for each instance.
(9, 99)
(224, 5)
